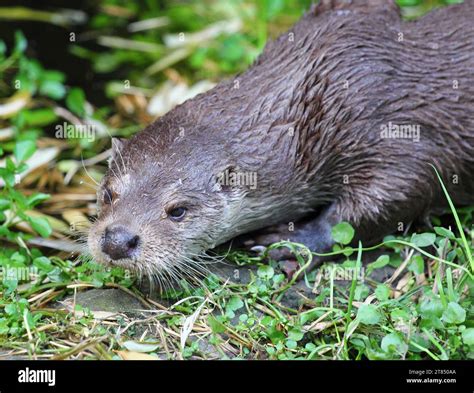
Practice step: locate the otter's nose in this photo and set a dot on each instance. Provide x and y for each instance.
(119, 242)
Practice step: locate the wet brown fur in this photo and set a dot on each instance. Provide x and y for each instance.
(307, 118)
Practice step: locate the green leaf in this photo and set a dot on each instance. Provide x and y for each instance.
(52, 89)
(39, 117)
(10, 165)
(265, 272)
(468, 336)
(295, 334)
(361, 292)
(291, 344)
(243, 317)
(270, 350)
(20, 42)
(399, 313)
(343, 233)
(431, 306)
(393, 342)
(266, 320)
(432, 322)
(4, 326)
(234, 303)
(275, 335)
(381, 261)
(368, 314)
(216, 326)
(24, 150)
(43, 264)
(454, 313)
(382, 292)
(444, 232)
(53, 75)
(423, 239)
(31, 68)
(4, 204)
(41, 226)
(34, 199)
(25, 83)
(75, 101)
(18, 258)
(8, 177)
(106, 62)
(417, 265)
(19, 198)
(22, 167)
(11, 309)
(419, 339)
(278, 278)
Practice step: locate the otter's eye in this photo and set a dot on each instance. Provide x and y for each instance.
(108, 196)
(177, 213)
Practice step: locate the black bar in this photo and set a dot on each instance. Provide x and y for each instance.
(241, 376)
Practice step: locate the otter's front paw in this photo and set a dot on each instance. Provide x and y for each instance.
(261, 243)
(287, 258)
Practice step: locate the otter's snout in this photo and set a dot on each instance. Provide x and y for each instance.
(119, 243)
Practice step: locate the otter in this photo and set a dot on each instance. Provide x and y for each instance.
(337, 120)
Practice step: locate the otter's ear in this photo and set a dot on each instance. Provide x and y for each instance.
(117, 147)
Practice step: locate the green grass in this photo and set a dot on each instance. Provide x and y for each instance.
(423, 310)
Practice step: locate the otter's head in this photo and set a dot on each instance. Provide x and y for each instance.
(161, 204)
